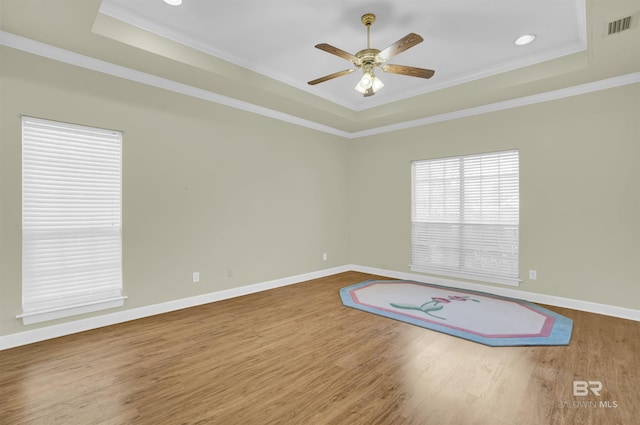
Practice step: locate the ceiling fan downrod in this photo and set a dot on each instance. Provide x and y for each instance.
(367, 20)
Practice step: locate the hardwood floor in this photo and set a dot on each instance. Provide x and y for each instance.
(295, 355)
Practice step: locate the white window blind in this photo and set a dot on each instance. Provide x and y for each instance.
(71, 231)
(465, 217)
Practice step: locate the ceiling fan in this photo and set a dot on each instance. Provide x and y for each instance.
(368, 59)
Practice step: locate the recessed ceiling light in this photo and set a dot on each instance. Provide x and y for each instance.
(524, 39)
(173, 2)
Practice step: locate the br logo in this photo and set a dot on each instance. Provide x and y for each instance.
(582, 388)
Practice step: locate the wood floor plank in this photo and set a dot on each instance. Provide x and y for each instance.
(295, 355)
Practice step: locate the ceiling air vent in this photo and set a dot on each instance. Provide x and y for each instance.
(619, 25)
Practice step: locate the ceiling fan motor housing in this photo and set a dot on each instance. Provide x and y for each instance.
(368, 56)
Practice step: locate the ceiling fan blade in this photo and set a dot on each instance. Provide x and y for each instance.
(400, 46)
(408, 70)
(330, 77)
(335, 51)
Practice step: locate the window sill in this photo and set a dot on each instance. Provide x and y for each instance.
(478, 278)
(46, 315)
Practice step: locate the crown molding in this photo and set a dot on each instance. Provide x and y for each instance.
(61, 55)
(577, 90)
(55, 53)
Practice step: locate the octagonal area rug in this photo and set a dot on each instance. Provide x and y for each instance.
(481, 317)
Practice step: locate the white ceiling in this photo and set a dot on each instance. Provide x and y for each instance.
(464, 40)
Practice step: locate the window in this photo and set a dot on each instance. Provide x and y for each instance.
(465, 215)
(71, 231)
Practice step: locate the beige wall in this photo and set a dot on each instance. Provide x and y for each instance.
(579, 191)
(205, 187)
(211, 189)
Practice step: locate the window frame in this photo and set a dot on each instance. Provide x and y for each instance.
(449, 255)
(46, 161)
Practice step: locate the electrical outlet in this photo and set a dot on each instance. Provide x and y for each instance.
(196, 277)
(324, 257)
(533, 275)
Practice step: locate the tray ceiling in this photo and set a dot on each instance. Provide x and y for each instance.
(464, 40)
(257, 55)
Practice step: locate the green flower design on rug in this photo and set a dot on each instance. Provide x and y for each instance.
(435, 304)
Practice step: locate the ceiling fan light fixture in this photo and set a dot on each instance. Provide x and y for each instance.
(360, 87)
(173, 2)
(369, 82)
(376, 84)
(524, 39)
(365, 82)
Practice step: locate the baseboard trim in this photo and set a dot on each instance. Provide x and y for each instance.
(588, 306)
(55, 331)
